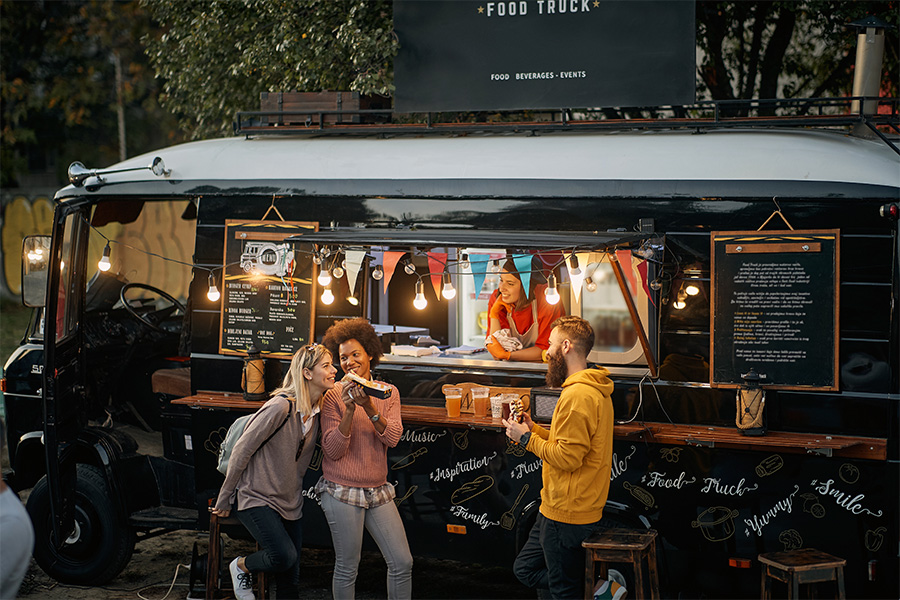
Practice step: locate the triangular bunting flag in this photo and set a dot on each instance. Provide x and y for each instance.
(437, 262)
(642, 269)
(523, 266)
(354, 262)
(390, 263)
(624, 257)
(479, 263)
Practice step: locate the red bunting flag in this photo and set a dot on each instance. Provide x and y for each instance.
(390, 263)
(437, 263)
(624, 257)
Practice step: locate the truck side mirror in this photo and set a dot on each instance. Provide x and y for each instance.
(35, 265)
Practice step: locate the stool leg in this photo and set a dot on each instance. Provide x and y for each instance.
(638, 574)
(654, 575)
(212, 559)
(588, 574)
(766, 584)
(840, 583)
(794, 590)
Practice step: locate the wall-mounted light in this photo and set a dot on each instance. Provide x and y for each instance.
(213, 292)
(448, 292)
(551, 293)
(420, 302)
(679, 303)
(104, 264)
(691, 290)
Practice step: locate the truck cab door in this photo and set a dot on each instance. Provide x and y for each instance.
(64, 377)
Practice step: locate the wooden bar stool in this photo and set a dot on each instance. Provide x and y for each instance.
(806, 565)
(622, 546)
(214, 561)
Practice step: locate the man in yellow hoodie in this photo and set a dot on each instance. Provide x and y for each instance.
(577, 458)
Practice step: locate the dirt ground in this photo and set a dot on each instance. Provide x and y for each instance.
(152, 571)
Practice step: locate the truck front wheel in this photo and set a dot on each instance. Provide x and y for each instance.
(102, 542)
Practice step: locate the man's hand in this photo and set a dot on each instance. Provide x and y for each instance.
(496, 349)
(514, 429)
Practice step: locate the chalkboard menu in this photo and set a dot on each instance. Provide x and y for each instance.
(775, 300)
(267, 289)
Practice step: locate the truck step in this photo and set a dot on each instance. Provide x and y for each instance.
(168, 517)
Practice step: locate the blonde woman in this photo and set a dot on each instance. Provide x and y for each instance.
(265, 474)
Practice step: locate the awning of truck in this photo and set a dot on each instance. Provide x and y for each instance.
(484, 238)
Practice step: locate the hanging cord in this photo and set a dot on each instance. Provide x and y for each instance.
(143, 597)
(270, 209)
(646, 377)
(776, 212)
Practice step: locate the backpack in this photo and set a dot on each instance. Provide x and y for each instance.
(234, 434)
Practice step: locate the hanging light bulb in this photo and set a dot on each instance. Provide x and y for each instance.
(338, 272)
(104, 263)
(324, 278)
(213, 292)
(679, 301)
(327, 296)
(316, 258)
(464, 262)
(590, 285)
(495, 266)
(353, 300)
(573, 265)
(655, 284)
(420, 302)
(409, 267)
(449, 292)
(691, 289)
(378, 273)
(551, 292)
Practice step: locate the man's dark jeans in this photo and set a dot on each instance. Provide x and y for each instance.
(552, 558)
(280, 543)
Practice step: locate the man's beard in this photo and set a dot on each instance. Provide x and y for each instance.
(557, 371)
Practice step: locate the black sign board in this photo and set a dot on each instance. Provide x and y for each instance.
(775, 300)
(465, 55)
(267, 289)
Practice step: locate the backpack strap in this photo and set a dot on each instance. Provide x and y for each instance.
(280, 426)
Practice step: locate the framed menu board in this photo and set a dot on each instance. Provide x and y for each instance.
(267, 289)
(775, 303)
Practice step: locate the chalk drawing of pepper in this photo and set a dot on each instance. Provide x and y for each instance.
(874, 539)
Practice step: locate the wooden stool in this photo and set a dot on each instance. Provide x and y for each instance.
(622, 546)
(214, 560)
(806, 565)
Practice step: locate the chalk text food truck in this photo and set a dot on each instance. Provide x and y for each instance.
(716, 307)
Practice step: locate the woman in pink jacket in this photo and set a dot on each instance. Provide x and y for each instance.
(357, 430)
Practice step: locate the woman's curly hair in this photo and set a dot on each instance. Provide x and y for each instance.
(358, 329)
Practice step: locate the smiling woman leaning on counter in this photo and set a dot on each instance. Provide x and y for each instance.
(354, 491)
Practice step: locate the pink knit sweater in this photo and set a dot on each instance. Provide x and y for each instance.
(360, 459)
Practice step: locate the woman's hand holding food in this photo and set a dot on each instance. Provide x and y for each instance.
(349, 394)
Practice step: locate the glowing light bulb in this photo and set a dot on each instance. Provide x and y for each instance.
(551, 292)
(104, 263)
(679, 301)
(691, 289)
(449, 292)
(409, 268)
(353, 300)
(420, 302)
(213, 292)
(464, 262)
(590, 285)
(338, 272)
(574, 270)
(327, 296)
(378, 273)
(324, 278)
(495, 266)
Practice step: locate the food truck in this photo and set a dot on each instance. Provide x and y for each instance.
(741, 276)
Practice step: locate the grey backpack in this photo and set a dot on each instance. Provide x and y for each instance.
(234, 434)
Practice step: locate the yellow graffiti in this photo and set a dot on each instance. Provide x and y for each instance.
(22, 217)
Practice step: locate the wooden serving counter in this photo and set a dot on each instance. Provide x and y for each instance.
(659, 433)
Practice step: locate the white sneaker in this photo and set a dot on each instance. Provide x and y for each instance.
(241, 582)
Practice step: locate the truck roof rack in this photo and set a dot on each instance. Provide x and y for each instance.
(717, 114)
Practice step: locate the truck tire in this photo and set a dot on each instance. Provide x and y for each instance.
(102, 543)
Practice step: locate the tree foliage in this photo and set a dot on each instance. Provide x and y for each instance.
(217, 56)
(59, 90)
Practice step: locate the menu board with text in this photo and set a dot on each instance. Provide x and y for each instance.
(775, 301)
(267, 289)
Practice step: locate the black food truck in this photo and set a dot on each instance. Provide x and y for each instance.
(742, 281)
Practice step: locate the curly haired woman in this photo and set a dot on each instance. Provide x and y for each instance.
(357, 430)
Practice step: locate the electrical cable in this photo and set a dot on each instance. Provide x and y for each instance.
(169, 591)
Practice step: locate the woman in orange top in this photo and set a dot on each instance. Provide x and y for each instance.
(529, 320)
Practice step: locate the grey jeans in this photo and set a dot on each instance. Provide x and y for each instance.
(383, 523)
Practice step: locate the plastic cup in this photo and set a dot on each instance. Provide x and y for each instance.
(480, 401)
(453, 398)
(496, 407)
(505, 401)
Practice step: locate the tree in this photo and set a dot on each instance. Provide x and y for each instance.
(781, 49)
(217, 56)
(59, 89)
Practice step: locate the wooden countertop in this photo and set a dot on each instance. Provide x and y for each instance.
(660, 433)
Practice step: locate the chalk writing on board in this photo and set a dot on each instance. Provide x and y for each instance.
(843, 499)
(758, 522)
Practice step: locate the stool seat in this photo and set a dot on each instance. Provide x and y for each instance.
(214, 560)
(630, 546)
(803, 566)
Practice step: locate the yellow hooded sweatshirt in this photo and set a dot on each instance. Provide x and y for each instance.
(577, 450)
